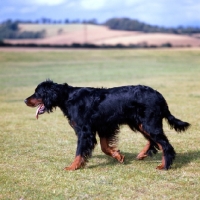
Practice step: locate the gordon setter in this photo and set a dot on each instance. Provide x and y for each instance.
(102, 111)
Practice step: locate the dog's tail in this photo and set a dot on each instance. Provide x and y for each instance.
(175, 123)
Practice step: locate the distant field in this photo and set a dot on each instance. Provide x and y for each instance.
(61, 34)
(34, 152)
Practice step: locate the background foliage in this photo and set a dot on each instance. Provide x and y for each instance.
(10, 30)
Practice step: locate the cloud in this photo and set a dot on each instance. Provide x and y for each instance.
(158, 12)
(93, 5)
(133, 2)
(25, 10)
(102, 5)
(46, 2)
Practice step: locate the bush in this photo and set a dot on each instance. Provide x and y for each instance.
(10, 30)
(135, 25)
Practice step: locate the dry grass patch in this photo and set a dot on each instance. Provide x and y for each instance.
(62, 34)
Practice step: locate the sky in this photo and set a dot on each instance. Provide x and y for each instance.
(168, 13)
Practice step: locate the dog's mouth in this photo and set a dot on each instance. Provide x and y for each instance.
(40, 110)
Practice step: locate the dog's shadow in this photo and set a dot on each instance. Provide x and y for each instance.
(182, 159)
(107, 160)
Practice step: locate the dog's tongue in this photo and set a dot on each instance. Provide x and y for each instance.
(39, 110)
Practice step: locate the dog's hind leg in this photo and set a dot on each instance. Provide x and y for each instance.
(149, 148)
(111, 150)
(163, 163)
(157, 140)
(168, 152)
(143, 154)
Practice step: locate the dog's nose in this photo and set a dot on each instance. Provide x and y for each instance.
(25, 101)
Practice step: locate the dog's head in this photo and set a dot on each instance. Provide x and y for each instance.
(45, 97)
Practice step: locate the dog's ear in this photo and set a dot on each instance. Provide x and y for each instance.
(51, 95)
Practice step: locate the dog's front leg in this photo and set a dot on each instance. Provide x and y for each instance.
(85, 145)
(77, 163)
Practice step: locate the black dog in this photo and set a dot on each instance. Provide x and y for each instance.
(102, 111)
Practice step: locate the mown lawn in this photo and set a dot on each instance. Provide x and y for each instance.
(34, 152)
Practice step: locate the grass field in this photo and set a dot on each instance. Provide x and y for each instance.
(34, 152)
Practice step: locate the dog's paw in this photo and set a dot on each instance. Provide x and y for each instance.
(122, 158)
(71, 168)
(78, 163)
(160, 167)
(118, 156)
(141, 156)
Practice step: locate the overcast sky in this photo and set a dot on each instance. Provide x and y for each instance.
(155, 12)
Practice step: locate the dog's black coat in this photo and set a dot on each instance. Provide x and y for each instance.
(102, 111)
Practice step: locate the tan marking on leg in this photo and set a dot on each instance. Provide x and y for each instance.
(143, 131)
(143, 154)
(111, 151)
(162, 165)
(77, 164)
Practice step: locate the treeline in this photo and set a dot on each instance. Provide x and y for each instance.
(10, 30)
(135, 25)
(52, 21)
(87, 46)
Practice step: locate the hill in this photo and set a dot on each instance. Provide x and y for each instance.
(135, 25)
(67, 34)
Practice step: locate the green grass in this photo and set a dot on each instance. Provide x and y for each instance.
(34, 152)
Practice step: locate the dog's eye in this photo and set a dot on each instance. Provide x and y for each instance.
(37, 95)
